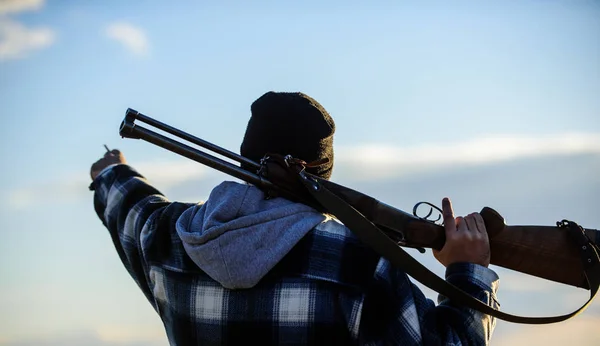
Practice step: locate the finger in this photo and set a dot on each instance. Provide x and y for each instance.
(95, 169)
(461, 224)
(448, 213)
(471, 223)
(480, 223)
(96, 165)
(112, 153)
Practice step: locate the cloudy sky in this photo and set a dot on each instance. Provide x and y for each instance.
(492, 104)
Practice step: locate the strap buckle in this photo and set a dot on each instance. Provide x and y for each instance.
(587, 249)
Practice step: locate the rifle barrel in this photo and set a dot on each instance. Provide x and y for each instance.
(131, 115)
(130, 130)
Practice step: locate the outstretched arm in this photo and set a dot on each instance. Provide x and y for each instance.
(131, 210)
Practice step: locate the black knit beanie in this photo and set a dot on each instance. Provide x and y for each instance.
(290, 124)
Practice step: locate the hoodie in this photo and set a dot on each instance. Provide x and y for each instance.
(238, 236)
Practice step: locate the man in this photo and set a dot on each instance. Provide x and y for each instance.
(241, 268)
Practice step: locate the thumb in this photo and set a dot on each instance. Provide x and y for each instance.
(449, 220)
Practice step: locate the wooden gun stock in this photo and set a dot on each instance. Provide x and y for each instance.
(543, 251)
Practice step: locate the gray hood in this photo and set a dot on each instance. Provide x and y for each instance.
(238, 236)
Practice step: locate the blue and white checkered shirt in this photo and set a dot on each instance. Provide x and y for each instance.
(330, 289)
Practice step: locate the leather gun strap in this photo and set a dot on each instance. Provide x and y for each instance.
(371, 235)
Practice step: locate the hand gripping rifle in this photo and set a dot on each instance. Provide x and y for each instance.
(565, 253)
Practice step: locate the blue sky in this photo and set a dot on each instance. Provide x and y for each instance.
(491, 103)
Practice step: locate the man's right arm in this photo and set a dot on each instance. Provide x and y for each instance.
(397, 312)
(453, 324)
(466, 256)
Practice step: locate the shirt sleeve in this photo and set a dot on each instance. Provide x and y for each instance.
(454, 324)
(481, 283)
(130, 209)
(404, 316)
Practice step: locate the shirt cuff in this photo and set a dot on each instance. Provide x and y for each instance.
(102, 173)
(106, 169)
(474, 274)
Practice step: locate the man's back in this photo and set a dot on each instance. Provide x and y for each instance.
(304, 299)
(242, 268)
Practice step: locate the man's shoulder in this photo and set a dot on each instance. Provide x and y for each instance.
(330, 252)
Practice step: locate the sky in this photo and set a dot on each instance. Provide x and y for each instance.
(489, 103)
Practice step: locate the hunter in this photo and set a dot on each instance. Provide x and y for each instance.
(243, 269)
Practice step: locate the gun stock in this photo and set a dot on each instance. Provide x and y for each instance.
(545, 252)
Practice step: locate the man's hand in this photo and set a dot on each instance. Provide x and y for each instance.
(466, 239)
(110, 158)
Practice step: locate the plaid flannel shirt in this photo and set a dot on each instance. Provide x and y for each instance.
(330, 289)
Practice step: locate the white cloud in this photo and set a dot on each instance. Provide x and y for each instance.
(581, 330)
(131, 37)
(134, 334)
(17, 40)
(352, 163)
(380, 161)
(139, 336)
(163, 175)
(167, 174)
(16, 6)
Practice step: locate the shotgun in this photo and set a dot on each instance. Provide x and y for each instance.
(547, 252)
